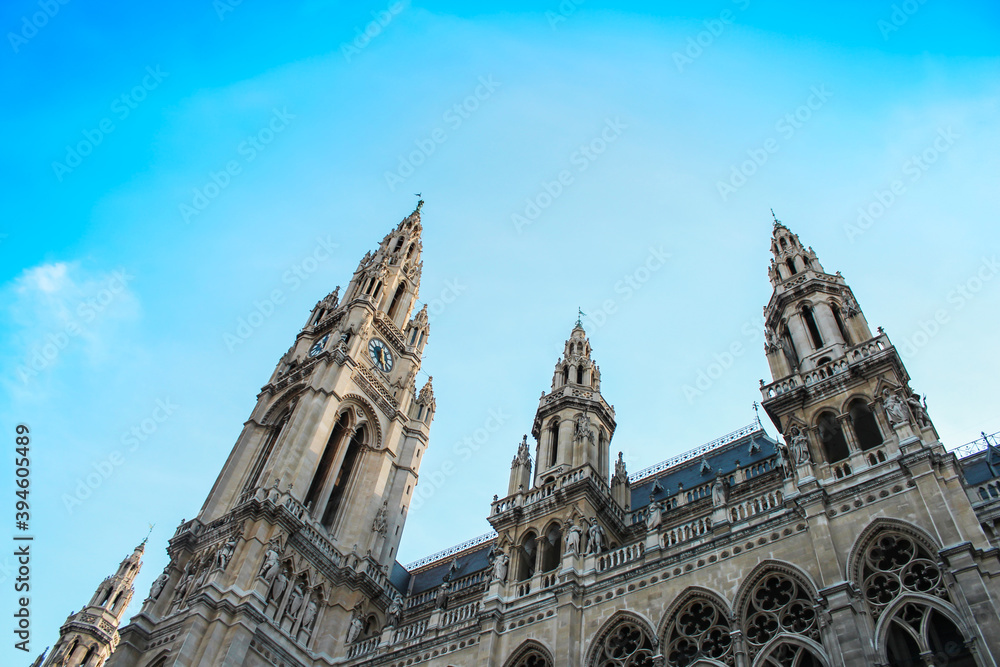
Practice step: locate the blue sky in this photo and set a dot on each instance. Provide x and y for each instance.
(673, 133)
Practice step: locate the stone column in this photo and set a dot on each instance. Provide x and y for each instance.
(827, 323)
(797, 330)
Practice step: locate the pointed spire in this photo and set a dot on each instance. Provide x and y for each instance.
(427, 392)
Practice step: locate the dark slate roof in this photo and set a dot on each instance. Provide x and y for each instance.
(469, 562)
(981, 467)
(689, 472)
(399, 577)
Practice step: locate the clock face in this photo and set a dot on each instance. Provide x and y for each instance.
(318, 346)
(380, 354)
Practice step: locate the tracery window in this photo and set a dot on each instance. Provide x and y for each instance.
(896, 564)
(791, 655)
(627, 645)
(917, 630)
(779, 604)
(533, 659)
(699, 630)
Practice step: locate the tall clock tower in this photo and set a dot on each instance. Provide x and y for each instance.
(293, 550)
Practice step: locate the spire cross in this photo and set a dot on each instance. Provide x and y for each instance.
(776, 221)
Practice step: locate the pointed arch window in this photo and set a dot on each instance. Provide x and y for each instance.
(791, 266)
(551, 546)
(788, 345)
(865, 426)
(399, 245)
(397, 299)
(270, 438)
(326, 461)
(832, 438)
(526, 557)
(807, 315)
(343, 477)
(554, 441)
(409, 251)
(840, 324)
(579, 374)
(627, 645)
(699, 629)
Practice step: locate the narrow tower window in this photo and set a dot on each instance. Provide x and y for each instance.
(326, 461)
(399, 245)
(807, 315)
(265, 452)
(579, 374)
(554, 449)
(343, 477)
(791, 265)
(397, 298)
(840, 325)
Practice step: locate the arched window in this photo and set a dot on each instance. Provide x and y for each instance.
(791, 265)
(788, 345)
(807, 315)
(326, 461)
(554, 440)
(397, 298)
(343, 477)
(840, 325)
(698, 629)
(413, 336)
(627, 644)
(865, 427)
(565, 375)
(89, 655)
(114, 603)
(918, 630)
(791, 655)
(526, 557)
(832, 438)
(421, 340)
(319, 315)
(784, 243)
(371, 286)
(579, 374)
(552, 548)
(409, 251)
(530, 654)
(779, 603)
(270, 438)
(399, 245)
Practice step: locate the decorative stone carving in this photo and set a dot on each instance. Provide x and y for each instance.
(310, 615)
(225, 553)
(523, 454)
(295, 601)
(784, 459)
(270, 567)
(500, 568)
(157, 588)
(583, 429)
(395, 611)
(595, 538)
(441, 600)
(918, 411)
(798, 446)
(895, 410)
(574, 535)
(720, 491)
(655, 516)
(380, 525)
(357, 625)
(278, 588)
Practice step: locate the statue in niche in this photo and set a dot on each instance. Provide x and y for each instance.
(357, 625)
(295, 601)
(500, 567)
(655, 516)
(395, 611)
(280, 583)
(574, 534)
(895, 410)
(441, 600)
(310, 616)
(783, 459)
(799, 446)
(595, 538)
(584, 431)
(720, 491)
(157, 588)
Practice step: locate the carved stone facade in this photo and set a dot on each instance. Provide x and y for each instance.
(858, 540)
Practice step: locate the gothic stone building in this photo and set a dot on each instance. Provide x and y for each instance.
(855, 540)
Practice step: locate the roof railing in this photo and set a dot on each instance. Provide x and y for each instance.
(978, 445)
(695, 453)
(451, 551)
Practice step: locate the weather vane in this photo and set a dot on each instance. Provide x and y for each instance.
(756, 414)
(776, 221)
(579, 317)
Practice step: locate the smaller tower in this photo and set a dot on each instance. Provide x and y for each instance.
(520, 469)
(90, 636)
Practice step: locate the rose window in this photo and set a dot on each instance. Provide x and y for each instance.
(777, 605)
(895, 564)
(627, 646)
(700, 630)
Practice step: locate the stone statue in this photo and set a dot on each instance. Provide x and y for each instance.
(395, 611)
(894, 408)
(720, 492)
(357, 625)
(655, 516)
(584, 431)
(783, 459)
(620, 470)
(295, 601)
(770, 340)
(574, 535)
(280, 583)
(441, 601)
(799, 446)
(500, 567)
(225, 553)
(159, 584)
(270, 567)
(918, 411)
(380, 524)
(595, 538)
(310, 616)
